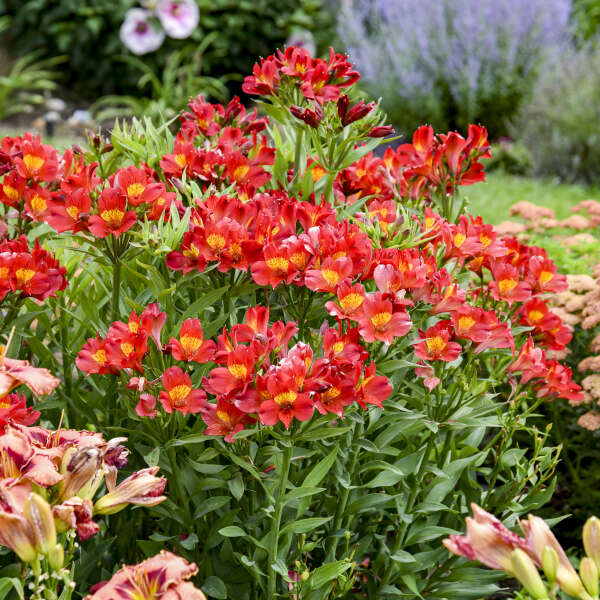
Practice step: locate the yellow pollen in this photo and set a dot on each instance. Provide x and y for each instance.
(216, 242)
(190, 343)
(178, 394)
(160, 201)
(235, 251)
(278, 263)
(465, 323)
(535, 315)
(317, 172)
(24, 275)
(285, 398)
(459, 239)
(3, 272)
(240, 172)
(435, 344)
(331, 394)
(485, 240)
(351, 302)
(429, 222)
(298, 259)
(38, 203)
(126, 348)
(72, 211)
(506, 285)
(10, 192)
(338, 347)
(4, 405)
(330, 276)
(192, 252)
(135, 189)
(134, 326)
(223, 416)
(238, 370)
(380, 320)
(113, 216)
(546, 276)
(181, 160)
(340, 254)
(99, 356)
(33, 162)
(360, 173)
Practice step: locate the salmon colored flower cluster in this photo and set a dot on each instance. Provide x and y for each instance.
(31, 273)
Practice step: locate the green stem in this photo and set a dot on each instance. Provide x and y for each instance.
(297, 154)
(64, 342)
(329, 187)
(116, 282)
(274, 546)
(416, 488)
(179, 492)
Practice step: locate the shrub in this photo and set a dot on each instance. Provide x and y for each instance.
(451, 63)
(563, 112)
(87, 32)
(327, 359)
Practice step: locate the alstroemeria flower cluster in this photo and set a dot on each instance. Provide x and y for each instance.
(219, 146)
(48, 480)
(67, 194)
(29, 273)
(259, 377)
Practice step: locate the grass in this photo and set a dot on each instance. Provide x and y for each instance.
(492, 200)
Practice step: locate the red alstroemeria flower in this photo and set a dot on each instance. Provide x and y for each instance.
(535, 313)
(178, 394)
(436, 344)
(379, 321)
(470, 323)
(183, 158)
(340, 392)
(72, 215)
(190, 258)
(372, 388)
(264, 79)
(543, 276)
(236, 376)
(315, 84)
(329, 275)
(14, 409)
(138, 186)
(531, 362)
(558, 383)
(12, 188)
(350, 298)
(146, 407)
(39, 161)
(224, 419)
(275, 268)
(152, 321)
(507, 285)
(286, 402)
(191, 345)
(38, 201)
(93, 358)
(113, 216)
(162, 576)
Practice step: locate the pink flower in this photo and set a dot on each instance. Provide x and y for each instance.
(178, 17)
(138, 32)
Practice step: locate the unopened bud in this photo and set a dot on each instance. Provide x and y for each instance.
(550, 563)
(588, 571)
(56, 557)
(591, 539)
(305, 575)
(525, 571)
(39, 514)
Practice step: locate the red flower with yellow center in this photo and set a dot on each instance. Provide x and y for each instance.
(286, 402)
(436, 343)
(191, 345)
(178, 393)
(327, 277)
(380, 321)
(350, 298)
(507, 285)
(113, 216)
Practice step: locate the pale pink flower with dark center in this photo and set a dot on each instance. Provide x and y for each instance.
(139, 33)
(178, 17)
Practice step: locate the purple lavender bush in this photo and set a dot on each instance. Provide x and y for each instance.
(452, 63)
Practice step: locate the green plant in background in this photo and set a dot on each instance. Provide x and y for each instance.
(586, 18)
(24, 80)
(87, 33)
(181, 79)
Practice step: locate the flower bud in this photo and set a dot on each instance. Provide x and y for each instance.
(81, 468)
(38, 512)
(588, 571)
(56, 557)
(381, 131)
(305, 575)
(525, 571)
(591, 539)
(16, 533)
(550, 563)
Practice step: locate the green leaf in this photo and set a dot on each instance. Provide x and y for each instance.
(326, 573)
(215, 588)
(9, 583)
(305, 525)
(236, 486)
(232, 531)
(314, 478)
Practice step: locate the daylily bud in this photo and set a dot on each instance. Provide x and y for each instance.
(56, 557)
(16, 533)
(143, 488)
(526, 572)
(550, 563)
(80, 468)
(39, 514)
(591, 539)
(588, 571)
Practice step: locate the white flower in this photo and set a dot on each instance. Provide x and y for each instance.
(178, 17)
(138, 32)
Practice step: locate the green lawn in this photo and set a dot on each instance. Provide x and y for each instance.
(493, 199)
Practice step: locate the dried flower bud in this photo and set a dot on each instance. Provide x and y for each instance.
(81, 469)
(39, 514)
